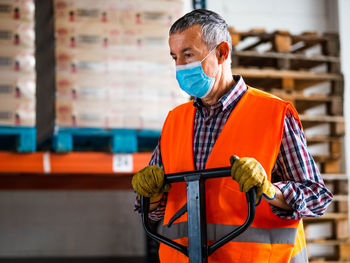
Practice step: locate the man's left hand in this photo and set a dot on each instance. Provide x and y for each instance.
(248, 173)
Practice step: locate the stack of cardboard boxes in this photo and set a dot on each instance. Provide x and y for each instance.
(17, 63)
(113, 68)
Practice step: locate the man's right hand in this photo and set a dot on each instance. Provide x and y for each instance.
(149, 182)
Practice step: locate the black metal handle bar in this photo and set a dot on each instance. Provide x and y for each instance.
(199, 175)
(204, 174)
(154, 235)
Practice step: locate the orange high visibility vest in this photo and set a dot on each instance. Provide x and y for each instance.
(254, 129)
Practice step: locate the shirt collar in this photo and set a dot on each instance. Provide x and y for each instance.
(229, 99)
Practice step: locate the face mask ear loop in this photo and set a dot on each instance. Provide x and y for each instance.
(209, 53)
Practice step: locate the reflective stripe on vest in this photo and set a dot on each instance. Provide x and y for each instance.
(255, 235)
(301, 257)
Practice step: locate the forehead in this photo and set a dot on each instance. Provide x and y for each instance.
(189, 38)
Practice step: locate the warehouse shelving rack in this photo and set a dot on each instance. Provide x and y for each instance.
(69, 171)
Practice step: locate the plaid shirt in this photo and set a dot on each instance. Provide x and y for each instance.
(295, 172)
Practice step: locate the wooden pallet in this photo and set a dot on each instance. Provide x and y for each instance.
(336, 123)
(336, 222)
(328, 164)
(341, 251)
(289, 80)
(334, 147)
(339, 226)
(339, 241)
(322, 260)
(341, 194)
(284, 41)
(337, 236)
(112, 140)
(334, 177)
(332, 103)
(327, 217)
(285, 61)
(342, 203)
(20, 139)
(330, 242)
(332, 143)
(339, 184)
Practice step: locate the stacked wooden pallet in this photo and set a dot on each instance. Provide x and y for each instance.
(305, 70)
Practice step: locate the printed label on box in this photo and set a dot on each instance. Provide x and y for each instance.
(17, 60)
(17, 112)
(17, 33)
(22, 87)
(17, 10)
(122, 163)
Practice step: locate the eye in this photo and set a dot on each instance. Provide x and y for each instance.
(174, 58)
(188, 55)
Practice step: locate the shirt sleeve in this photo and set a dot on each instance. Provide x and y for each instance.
(156, 158)
(158, 213)
(297, 176)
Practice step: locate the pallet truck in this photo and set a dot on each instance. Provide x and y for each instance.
(198, 251)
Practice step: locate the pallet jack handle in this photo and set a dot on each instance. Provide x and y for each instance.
(198, 251)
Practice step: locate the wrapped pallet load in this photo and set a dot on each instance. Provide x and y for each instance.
(17, 71)
(113, 68)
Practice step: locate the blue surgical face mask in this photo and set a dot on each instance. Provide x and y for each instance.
(193, 80)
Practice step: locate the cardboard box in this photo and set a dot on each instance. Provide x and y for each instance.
(17, 87)
(71, 113)
(119, 114)
(86, 10)
(104, 62)
(17, 60)
(153, 115)
(83, 83)
(129, 109)
(84, 34)
(125, 114)
(144, 87)
(108, 36)
(122, 12)
(81, 61)
(96, 114)
(17, 33)
(135, 16)
(22, 10)
(156, 12)
(17, 112)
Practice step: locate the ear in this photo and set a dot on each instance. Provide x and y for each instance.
(223, 51)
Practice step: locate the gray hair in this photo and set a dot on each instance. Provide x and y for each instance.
(214, 27)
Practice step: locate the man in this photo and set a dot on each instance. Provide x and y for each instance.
(228, 118)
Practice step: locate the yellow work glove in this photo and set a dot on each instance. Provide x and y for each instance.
(248, 173)
(149, 182)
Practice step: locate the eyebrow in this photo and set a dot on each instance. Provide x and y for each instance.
(182, 51)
